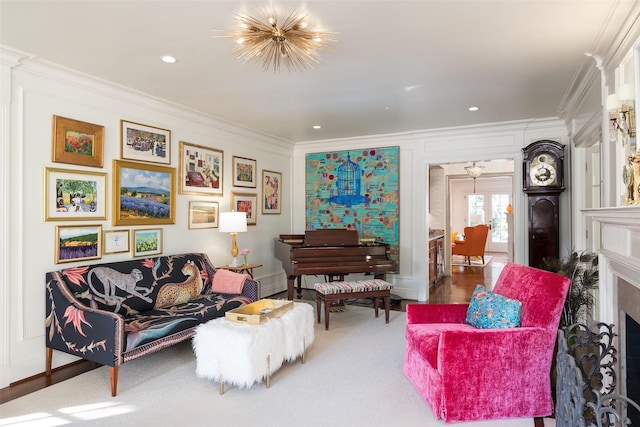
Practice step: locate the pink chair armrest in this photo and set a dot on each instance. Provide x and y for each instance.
(436, 313)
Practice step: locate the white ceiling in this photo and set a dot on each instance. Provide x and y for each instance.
(397, 66)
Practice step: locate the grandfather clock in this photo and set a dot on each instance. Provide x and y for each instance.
(543, 176)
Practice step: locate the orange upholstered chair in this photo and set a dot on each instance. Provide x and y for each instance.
(475, 239)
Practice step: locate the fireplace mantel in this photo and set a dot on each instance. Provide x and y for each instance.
(628, 215)
(619, 255)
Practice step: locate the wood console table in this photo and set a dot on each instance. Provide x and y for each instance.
(248, 268)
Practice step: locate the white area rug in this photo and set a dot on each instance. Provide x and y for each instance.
(352, 377)
(475, 261)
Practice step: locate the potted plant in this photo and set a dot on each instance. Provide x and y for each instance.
(582, 269)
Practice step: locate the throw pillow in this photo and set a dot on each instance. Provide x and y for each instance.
(489, 310)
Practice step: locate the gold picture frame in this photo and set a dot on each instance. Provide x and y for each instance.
(73, 195)
(244, 172)
(144, 143)
(201, 170)
(147, 242)
(246, 202)
(203, 215)
(143, 194)
(78, 243)
(271, 192)
(115, 241)
(77, 143)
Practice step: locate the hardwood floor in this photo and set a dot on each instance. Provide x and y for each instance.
(456, 288)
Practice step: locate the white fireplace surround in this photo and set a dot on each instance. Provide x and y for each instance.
(619, 269)
(618, 260)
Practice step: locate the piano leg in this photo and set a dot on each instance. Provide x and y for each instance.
(291, 284)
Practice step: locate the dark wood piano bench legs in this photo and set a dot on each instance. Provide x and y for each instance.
(329, 292)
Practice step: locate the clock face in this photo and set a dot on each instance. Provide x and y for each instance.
(543, 170)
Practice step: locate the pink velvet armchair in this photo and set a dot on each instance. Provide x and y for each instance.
(465, 373)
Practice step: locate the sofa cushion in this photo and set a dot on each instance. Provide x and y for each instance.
(488, 310)
(145, 327)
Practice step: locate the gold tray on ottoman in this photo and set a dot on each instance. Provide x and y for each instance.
(259, 312)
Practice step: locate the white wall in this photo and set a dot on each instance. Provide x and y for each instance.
(32, 93)
(419, 150)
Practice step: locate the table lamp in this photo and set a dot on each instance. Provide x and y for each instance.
(234, 223)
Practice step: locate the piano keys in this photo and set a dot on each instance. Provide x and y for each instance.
(331, 252)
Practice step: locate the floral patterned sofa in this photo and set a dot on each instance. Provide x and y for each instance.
(112, 313)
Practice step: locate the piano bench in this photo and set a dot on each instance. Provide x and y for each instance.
(334, 291)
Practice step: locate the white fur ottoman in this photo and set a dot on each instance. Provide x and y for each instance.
(243, 354)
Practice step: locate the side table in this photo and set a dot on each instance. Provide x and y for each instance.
(247, 268)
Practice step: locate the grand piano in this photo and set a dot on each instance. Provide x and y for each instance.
(330, 252)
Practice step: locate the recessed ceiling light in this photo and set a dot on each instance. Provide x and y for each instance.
(317, 127)
(474, 108)
(168, 59)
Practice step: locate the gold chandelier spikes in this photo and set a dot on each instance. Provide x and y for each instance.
(292, 43)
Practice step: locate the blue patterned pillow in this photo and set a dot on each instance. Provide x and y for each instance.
(489, 310)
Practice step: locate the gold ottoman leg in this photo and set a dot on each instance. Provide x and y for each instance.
(268, 370)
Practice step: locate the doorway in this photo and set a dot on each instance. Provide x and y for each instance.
(487, 205)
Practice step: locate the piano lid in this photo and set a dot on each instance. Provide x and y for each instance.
(331, 237)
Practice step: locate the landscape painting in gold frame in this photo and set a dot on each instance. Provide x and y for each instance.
(203, 214)
(143, 194)
(77, 143)
(78, 243)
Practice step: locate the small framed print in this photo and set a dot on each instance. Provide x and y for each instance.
(271, 192)
(244, 172)
(78, 243)
(241, 202)
(144, 143)
(77, 143)
(115, 241)
(201, 170)
(203, 215)
(72, 195)
(147, 242)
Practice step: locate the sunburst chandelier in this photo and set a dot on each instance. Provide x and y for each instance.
(292, 43)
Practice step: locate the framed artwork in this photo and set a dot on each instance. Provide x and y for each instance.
(241, 202)
(143, 194)
(78, 243)
(77, 143)
(74, 195)
(244, 172)
(203, 215)
(115, 241)
(144, 143)
(200, 169)
(147, 242)
(271, 192)
(355, 189)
